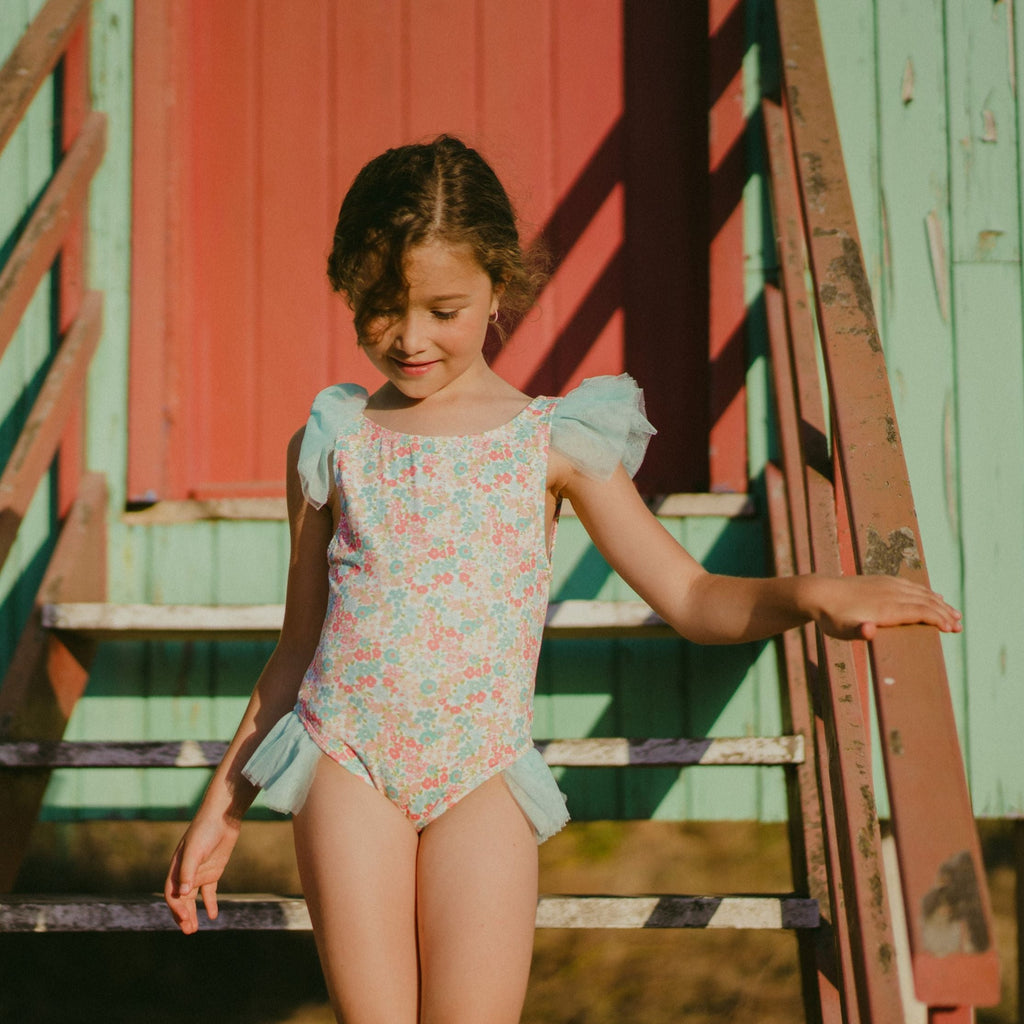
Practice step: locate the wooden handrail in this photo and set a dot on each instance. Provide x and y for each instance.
(58, 32)
(49, 224)
(949, 921)
(34, 57)
(39, 439)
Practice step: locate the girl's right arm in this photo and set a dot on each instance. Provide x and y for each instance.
(203, 852)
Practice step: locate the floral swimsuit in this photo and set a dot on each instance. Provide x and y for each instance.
(422, 682)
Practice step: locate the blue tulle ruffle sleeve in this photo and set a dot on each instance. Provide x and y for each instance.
(332, 409)
(600, 424)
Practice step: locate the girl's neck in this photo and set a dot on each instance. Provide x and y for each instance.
(463, 407)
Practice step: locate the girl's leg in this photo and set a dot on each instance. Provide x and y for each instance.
(356, 855)
(477, 903)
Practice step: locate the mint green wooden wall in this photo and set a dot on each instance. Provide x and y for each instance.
(928, 98)
(952, 330)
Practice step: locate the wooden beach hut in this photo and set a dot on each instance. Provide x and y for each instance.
(798, 225)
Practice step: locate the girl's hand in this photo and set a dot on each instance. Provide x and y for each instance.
(196, 867)
(856, 607)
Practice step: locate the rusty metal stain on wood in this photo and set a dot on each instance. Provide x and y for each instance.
(952, 912)
(887, 555)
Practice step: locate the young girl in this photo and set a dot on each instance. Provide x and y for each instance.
(394, 717)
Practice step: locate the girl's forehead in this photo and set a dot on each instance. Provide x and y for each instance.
(436, 264)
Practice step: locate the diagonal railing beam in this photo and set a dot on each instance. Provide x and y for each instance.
(34, 57)
(948, 915)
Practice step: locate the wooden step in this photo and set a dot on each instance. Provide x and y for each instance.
(260, 912)
(99, 621)
(577, 753)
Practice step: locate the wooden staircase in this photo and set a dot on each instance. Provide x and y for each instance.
(88, 623)
(833, 508)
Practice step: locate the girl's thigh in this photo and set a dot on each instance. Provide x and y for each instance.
(356, 855)
(477, 902)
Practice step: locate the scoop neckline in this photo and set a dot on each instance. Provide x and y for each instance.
(449, 437)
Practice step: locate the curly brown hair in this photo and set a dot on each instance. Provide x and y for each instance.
(444, 191)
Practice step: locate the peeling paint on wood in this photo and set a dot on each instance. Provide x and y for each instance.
(989, 133)
(940, 268)
(907, 85)
(952, 915)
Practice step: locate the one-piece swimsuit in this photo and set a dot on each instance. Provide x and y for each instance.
(439, 570)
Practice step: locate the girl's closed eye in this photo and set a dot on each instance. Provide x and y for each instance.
(445, 314)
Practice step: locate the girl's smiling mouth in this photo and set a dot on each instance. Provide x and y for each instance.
(415, 369)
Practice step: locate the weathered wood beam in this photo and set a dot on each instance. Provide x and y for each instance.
(280, 913)
(34, 58)
(40, 437)
(807, 839)
(58, 213)
(579, 753)
(666, 506)
(565, 619)
(865, 945)
(947, 906)
(48, 673)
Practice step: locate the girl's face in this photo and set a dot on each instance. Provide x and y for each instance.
(438, 336)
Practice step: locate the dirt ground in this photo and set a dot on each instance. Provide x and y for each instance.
(579, 977)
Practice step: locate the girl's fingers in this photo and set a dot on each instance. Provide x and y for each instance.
(209, 893)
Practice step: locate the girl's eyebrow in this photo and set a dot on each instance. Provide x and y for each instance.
(447, 298)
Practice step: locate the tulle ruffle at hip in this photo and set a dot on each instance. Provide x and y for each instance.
(285, 762)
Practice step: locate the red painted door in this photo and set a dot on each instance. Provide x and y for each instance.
(252, 118)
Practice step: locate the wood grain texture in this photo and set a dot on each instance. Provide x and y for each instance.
(277, 913)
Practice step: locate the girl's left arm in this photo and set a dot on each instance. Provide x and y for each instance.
(714, 609)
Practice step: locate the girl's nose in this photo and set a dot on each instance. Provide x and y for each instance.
(406, 336)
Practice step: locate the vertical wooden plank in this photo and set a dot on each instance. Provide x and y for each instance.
(727, 329)
(665, 141)
(849, 34)
(516, 130)
(720, 687)
(649, 702)
(74, 100)
(578, 679)
(991, 434)
(916, 324)
(292, 196)
(587, 102)
(221, 383)
(159, 297)
(179, 684)
(444, 60)
(982, 134)
(109, 252)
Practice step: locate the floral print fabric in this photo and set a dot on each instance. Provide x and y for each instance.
(423, 679)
